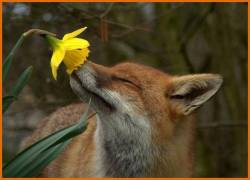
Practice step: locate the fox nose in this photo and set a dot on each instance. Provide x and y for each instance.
(92, 72)
(102, 74)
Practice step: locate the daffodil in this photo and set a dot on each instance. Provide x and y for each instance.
(70, 50)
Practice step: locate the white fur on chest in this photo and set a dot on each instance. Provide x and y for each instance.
(123, 141)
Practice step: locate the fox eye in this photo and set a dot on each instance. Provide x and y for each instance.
(126, 81)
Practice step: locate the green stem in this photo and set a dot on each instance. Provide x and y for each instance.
(8, 61)
(38, 31)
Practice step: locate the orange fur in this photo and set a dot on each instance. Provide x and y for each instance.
(165, 100)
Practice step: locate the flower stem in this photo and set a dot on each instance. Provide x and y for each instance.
(8, 60)
(38, 31)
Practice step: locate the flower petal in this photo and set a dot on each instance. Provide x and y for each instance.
(75, 58)
(73, 34)
(56, 60)
(75, 43)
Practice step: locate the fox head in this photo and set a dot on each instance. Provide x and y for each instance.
(130, 87)
(138, 104)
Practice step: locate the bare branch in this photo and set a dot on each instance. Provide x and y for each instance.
(105, 13)
(195, 25)
(223, 125)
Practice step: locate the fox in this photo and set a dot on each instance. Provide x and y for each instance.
(144, 124)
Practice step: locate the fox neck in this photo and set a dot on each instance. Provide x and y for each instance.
(174, 155)
(126, 150)
(124, 146)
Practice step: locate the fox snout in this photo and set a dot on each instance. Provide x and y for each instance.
(86, 82)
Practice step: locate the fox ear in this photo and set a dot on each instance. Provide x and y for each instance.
(189, 92)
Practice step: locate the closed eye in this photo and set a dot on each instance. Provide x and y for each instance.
(126, 81)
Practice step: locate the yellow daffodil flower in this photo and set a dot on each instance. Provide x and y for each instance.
(70, 50)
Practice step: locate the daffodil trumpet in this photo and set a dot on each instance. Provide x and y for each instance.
(72, 51)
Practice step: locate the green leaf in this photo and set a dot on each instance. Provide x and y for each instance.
(21, 82)
(6, 66)
(8, 60)
(44, 151)
(43, 160)
(8, 100)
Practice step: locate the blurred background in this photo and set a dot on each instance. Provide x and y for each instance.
(178, 38)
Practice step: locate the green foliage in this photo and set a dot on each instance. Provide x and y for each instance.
(22, 80)
(36, 157)
(32, 160)
(8, 61)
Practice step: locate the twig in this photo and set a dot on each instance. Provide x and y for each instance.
(127, 26)
(222, 125)
(194, 27)
(183, 50)
(190, 33)
(148, 22)
(131, 28)
(105, 13)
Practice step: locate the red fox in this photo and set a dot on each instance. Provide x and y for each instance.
(144, 125)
